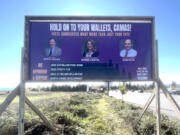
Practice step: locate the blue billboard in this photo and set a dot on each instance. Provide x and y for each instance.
(89, 49)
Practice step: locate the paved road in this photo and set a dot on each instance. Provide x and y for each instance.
(140, 99)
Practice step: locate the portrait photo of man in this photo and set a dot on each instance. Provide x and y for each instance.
(53, 50)
(128, 51)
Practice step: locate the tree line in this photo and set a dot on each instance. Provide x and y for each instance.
(83, 87)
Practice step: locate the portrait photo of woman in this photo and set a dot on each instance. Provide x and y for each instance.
(90, 49)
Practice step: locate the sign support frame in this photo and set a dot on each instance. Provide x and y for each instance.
(157, 89)
(24, 99)
(156, 94)
(20, 91)
(21, 97)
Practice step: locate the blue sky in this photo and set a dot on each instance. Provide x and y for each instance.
(12, 12)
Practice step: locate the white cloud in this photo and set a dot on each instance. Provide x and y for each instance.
(9, 80)
(168, 78)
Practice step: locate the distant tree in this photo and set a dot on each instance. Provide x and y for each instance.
(151, 86)
(123, 89)
(47, 89)
(173, 85)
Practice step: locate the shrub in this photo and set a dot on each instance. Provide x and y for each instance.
(70, 130)
(37, 129)
(79, 111)
(67, 119)
(9, 130)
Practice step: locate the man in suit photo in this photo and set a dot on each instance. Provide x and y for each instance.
(53, 50)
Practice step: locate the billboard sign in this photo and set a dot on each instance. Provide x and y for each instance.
(89, 48)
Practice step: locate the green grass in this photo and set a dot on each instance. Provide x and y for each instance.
(113, 124)
(37, 97)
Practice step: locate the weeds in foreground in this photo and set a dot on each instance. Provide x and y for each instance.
(87, 114)
(147, 125)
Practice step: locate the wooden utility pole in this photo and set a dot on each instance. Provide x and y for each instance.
(21, 97)
(157, 90)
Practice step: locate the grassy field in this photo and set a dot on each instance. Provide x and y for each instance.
(81, 113)
(35, 96)
(71, 113)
